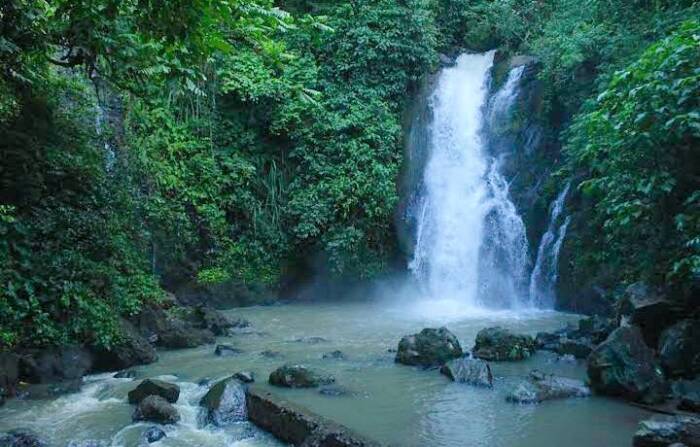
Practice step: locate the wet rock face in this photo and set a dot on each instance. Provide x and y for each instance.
(470, 371)
(430, 347)
(625, 366)
(21, 438)
(679, 349)
(9, 375)
(56, 364)
(649, 309)
(540, 387)
(661, 431)
(334, 355)
(298, 376)
(134, 350)
(168, 330)
(156, 409)
(225, 402)
(297, 425)
(153, 387)
(499, 344)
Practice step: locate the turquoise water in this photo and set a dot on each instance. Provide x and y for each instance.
(394, 404)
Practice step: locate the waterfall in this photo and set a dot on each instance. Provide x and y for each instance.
(545, 273)
(470, 243)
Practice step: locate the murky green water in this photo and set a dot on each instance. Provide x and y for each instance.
(395, 404)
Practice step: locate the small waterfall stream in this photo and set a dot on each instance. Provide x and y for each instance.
(545, 273)
(471, 246)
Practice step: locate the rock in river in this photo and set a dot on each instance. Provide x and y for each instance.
(156, 409)
(154, 387)
(498, 344)
(225, 402)
(226, 351)
(153, 434)
(21, 438)
(663, 430)
(540, 387)
(468, 370)
(623, 365)
(430, 347)
(298, 376)
(245, 376)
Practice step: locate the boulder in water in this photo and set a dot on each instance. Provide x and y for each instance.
(311, 340)
(21, 438)
(245, 376)
(134, 349)
(469, 370)
(430, 347)
(499, 344)
(154, 387)
(298, 376)
(225, 402)
(271, 354)
(623, 365)
(690, 402)
(156, 409)
(226, 351)
(540, 387)
(662, 430)
(334, 355)
(169, 330)
(153, 434)
(211, 319)
(679, 349)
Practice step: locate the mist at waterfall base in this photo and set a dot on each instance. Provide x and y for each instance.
(470, 246)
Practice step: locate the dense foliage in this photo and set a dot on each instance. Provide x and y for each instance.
(149, 145)
(638, 142)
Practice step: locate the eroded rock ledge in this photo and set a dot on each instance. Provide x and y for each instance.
(297, 425)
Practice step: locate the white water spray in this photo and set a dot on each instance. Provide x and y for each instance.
(471, 248)
(545, 274)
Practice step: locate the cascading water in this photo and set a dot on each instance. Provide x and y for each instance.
(471, 246)
(545, 273)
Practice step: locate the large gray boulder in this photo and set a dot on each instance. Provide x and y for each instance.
(429, 347)
(132, 349)
(499, 344)
(225, 402)
(649, 309)
(540, 387)
(623, 365)
(298, 376)
(154, 387)
(662, 430)
(296, 425)
(156, 409)
(679, 349)
(469, 370)
(170, 329)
